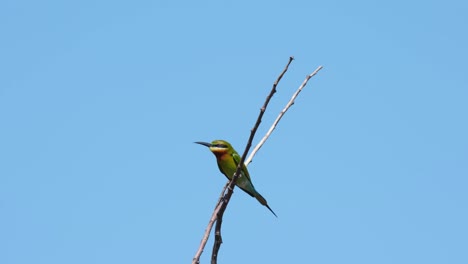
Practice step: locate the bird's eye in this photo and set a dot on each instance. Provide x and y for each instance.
(221, 146)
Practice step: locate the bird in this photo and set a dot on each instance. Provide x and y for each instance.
(228, 159)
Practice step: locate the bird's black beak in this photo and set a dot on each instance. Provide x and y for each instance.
(204, 144)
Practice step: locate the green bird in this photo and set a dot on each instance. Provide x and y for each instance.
(228, 159)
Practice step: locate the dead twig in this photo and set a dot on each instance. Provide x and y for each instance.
(230, 189)
(281, 114)
(222, 203)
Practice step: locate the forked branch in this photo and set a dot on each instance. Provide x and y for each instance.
(227, 192)
(232, 183)
(281, 114)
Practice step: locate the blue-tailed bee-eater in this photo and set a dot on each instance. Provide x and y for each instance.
(228, 159)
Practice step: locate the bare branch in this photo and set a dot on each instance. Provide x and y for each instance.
(214, 216)
(281, 114)
(230, 189)
(218, 240)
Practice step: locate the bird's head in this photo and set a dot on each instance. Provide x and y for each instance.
(217, 146)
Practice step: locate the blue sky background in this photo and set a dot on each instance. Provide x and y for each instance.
(101, 101)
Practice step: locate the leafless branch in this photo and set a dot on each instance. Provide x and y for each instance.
(223, 202)
(281, 114)
(196, 259)
(230, 189)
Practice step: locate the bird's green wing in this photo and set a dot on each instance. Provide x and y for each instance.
(247, 185)
(237, 159)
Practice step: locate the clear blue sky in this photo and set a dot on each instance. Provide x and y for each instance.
(101, 101)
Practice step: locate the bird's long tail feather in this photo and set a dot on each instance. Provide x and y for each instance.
(263, 202)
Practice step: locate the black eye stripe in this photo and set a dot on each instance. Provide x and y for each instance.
(220, 146)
